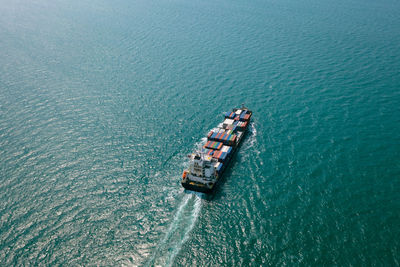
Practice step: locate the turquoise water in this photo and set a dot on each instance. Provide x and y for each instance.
(101, 101)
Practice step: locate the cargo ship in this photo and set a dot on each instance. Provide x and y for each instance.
(208, 163)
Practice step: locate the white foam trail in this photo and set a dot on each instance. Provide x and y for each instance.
(180, 227)
(174, 225)
(171, 229)
(252, 142)
(252, 138)
(254, 134)
(199, 145)
(178, 231)
(193, 219)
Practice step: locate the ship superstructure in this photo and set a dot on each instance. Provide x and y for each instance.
(207, 164)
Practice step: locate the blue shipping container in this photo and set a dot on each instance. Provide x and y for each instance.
(223, 156)
(219, 167)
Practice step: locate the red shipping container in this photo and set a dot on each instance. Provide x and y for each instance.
(222, 136)
(210, 144)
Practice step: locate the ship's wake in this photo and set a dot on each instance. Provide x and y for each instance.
(178, 232)
(253, 131)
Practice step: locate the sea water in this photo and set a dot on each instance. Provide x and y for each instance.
(101, 101)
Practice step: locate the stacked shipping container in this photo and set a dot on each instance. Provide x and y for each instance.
(218, 150)
(222, 139)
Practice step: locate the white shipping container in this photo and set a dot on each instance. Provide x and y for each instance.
(228, 121)
(238, 111)
(225, 148)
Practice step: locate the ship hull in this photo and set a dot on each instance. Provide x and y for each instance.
(198, 188)
(204, 188)
(211, 190)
